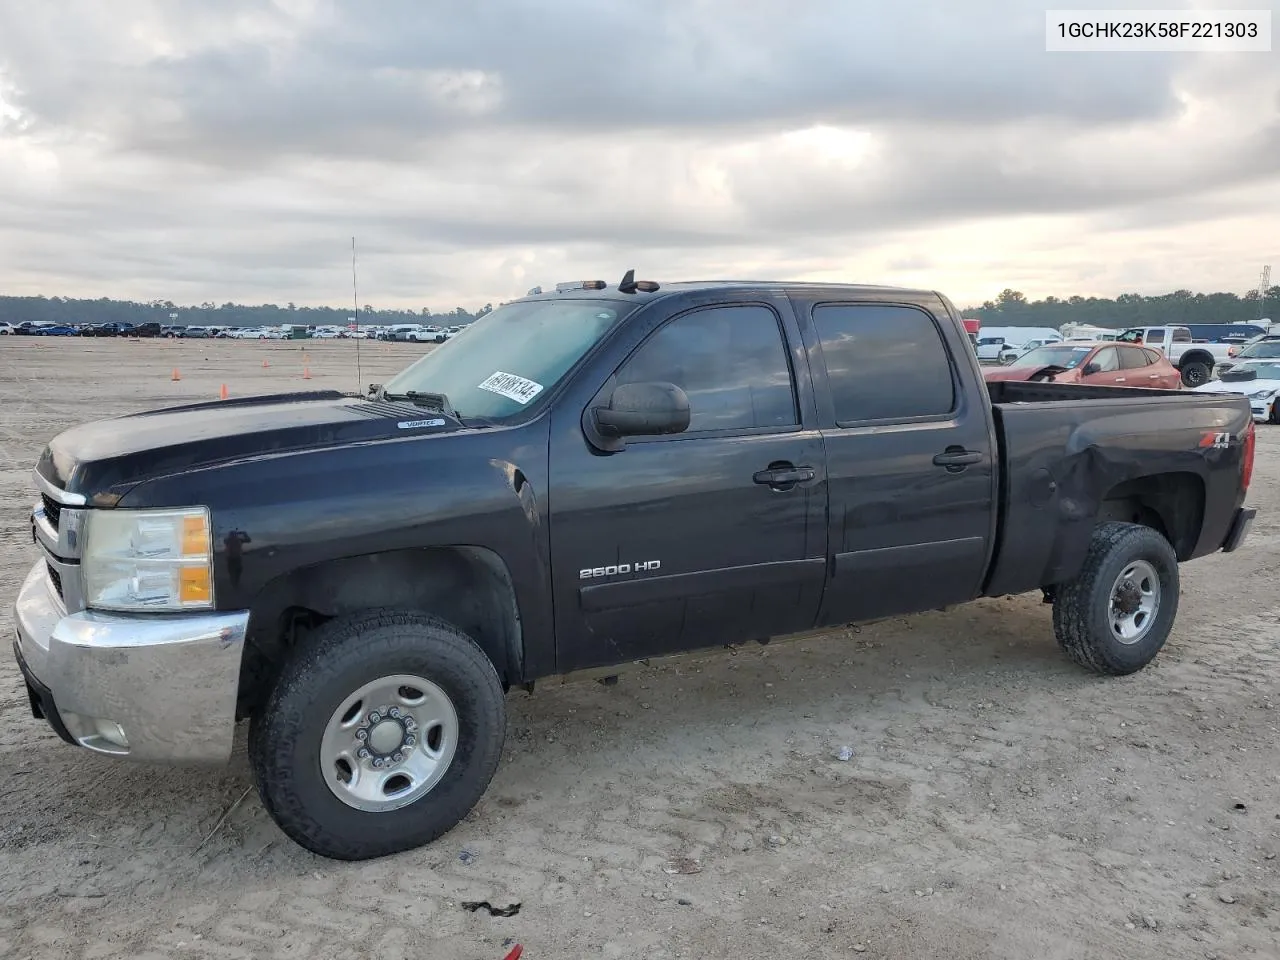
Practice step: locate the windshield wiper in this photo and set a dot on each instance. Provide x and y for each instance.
(470, 421)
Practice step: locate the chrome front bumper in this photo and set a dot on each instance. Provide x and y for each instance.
(164, 684)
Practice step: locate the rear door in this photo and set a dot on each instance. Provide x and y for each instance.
(910, 457)
(715, 535)
(1140, 369)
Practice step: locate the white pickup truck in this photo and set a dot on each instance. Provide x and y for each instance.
(1195, 361)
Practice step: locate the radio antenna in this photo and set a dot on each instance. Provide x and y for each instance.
(355, 303)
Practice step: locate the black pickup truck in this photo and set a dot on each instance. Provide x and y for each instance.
(581, 480)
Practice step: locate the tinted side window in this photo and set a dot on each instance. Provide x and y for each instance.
(1182, 335)
(1153, 356)
(884, 362)
(1133, 357)
(731, 361)
(1155, 336)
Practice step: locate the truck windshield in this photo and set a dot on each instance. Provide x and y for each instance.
(1058, 355)
(507, 358)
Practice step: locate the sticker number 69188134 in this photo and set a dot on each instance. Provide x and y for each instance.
(512, 387)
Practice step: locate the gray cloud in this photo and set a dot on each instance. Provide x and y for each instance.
(231, 150)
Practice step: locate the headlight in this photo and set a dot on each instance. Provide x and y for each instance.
(148, 559)
(1262, 395)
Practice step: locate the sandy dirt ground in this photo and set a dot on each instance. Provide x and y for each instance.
(999, 802)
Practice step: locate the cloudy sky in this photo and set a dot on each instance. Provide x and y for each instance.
(191, 150)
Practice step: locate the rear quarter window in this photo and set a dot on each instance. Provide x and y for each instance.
(884, 362)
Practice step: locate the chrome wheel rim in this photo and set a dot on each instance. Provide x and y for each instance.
(1135, 602)
(389, 743)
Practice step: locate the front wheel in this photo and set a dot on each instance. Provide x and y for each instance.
(1195, 373)
(379, 736)
(1115, 616)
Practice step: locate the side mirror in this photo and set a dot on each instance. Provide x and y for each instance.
(1090, 369)
(640, 410)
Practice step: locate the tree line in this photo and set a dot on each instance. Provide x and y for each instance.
(1012, 309)
(104, 310)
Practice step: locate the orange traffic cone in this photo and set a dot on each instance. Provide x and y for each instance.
(306, 373)
(176, 376)
(223, 394)
(265, 364)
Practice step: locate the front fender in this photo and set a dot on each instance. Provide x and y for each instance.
(273, 515)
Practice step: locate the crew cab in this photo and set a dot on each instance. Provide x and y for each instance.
(1194, 360)
(588, 478)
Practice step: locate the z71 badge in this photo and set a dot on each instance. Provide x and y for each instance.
(617, 569)
(1216, 441)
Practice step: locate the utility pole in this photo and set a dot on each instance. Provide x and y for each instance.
(1262, 291)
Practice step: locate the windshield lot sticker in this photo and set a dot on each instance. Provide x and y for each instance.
(512, 387)
(411, 424)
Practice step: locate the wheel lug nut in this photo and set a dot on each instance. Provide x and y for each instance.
(375, 717)
(362, 735)
(363, 753)
(394, 713)
(410, 723)
(397, 756)
(410, 740)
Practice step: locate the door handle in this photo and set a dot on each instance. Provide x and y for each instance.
(1119, 379)
(957, 459)
(783, 476)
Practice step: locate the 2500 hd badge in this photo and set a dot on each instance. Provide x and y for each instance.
(617, 569)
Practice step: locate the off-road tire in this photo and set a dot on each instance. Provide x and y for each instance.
(343, 654)
(1081, 609)
(1195, 374)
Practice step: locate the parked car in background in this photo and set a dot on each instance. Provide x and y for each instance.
(1258, 379)
(1195, 361)
(1009, 353)
(146, 330)
(422, 334)
(200, 333)
(990, 348)
(6, 328)
(57, 330)
(1224, 332)
(1098, 364)
(405, 332)
(1264, 347)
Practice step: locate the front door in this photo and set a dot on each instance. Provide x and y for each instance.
(712, 536)
(1103, 369)
(910, 459)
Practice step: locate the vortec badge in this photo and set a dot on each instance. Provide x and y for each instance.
(613, 570)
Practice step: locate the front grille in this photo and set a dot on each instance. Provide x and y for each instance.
(55, 579)
(52, 509)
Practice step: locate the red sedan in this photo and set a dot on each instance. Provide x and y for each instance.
(1101, 364)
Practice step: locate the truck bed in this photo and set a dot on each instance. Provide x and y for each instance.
(1071, 452)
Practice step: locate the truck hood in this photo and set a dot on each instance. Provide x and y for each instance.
(106, 457)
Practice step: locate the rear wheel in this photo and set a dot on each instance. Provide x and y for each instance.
(1195, 373)
(1115, 616)
(379, 736)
